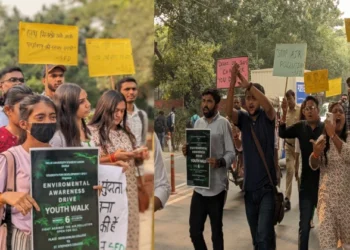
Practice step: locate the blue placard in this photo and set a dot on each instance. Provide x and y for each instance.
(301, 95)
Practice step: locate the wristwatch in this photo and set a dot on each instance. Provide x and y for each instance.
(222, 162)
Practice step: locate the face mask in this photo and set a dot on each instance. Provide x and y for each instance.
(43, 132)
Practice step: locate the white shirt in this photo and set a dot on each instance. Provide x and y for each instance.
(161, 182)
(3, 118)
(135, 124)
(221, 147)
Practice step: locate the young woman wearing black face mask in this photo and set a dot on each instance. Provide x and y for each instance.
(38, 121)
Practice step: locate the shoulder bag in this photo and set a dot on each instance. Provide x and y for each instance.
(279, 199)
(6, 224)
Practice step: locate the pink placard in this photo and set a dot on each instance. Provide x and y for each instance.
(223, 71)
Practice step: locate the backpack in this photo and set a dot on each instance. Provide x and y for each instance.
(158, 126)
(6, 223)
(169, 121)
(189, 123)
(143, 135)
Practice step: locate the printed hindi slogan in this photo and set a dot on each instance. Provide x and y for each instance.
(108, 57)
(289, 60)
(48, 44)
(223, 71)
(113, 208)
(62, 184)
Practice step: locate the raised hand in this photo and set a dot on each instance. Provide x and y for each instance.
(318, 146)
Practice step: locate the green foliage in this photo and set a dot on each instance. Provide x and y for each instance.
(42, 221)
(92, 158)
(192, 35)
(88, 241)
(95, 19)
(242, 28)
(40, 170)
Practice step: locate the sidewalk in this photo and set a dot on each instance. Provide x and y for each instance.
(167, 154)
(146, 219)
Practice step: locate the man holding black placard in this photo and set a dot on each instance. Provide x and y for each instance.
(258, 132)
(211, 201)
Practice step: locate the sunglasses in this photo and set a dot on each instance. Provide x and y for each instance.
(14, 80)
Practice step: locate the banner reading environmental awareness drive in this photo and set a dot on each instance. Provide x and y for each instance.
(198, 151)
(62, 185)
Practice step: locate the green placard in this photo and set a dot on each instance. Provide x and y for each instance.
(289, 60)
(62, 185)
(198, 151)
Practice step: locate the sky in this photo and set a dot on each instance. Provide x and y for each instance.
(31, 7)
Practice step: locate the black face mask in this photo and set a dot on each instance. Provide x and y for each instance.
(43, 132)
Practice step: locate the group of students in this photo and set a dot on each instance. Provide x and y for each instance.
(323, 183)
(59, 120)
(324, 149)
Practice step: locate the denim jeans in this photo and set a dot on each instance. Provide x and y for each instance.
(161, 139)
(307, 204)
(260, 210)
(201, 207)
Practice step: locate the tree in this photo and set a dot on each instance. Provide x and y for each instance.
(95, 19)
(251, 28)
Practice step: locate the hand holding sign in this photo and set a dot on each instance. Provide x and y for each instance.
(224, 71)
(244, 83)
(23, 202)
(214, 163)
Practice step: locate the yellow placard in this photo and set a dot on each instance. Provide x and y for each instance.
(108, 57)
(347, 28)
(334, 87)
(48, 44)
(316, 81)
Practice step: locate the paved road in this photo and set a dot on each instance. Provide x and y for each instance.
(171, 224)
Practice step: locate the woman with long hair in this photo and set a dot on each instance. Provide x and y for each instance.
(10, 133)
(109, 132)
(73, 107)
(332, 156)
(38, 124)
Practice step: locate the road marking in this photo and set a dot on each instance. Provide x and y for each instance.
(180, 185)
(182, 191)
(179, 199)
(175, 157)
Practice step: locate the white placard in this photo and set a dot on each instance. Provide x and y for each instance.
(113, 205)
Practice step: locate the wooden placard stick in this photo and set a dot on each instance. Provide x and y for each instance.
(46, 74)
(112, 83)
